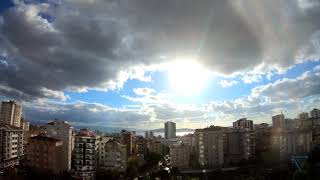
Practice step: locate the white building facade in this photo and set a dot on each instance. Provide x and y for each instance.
(10, 113)
(11, 145)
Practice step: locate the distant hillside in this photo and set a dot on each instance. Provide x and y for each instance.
(114, 129)
(178, 130)
(104, 129)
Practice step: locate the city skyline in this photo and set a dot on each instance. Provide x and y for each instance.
(94, 64)
(168, 127)
(57, 149)
(160, 89)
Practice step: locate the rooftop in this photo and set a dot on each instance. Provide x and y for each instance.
(9, 127)
(45, 138)
(212, 128)
(58, 121)
(86, 133)
(9, 102)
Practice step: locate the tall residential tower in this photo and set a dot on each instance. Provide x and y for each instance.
(10, 113)
(170, 130)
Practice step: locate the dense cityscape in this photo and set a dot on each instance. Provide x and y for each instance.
(160, 89)
(289, 148)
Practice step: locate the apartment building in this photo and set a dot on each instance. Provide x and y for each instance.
(279, 121)
(210, 146)
(243, 123)
(180, 155)
(240, 145)
(112, 155)
(85, 154)
(10, 113)
(291, 142)
(11, 145)
(303, 116)
(262, 139)
(45, 154)
(169, 130)
(156, 146)
(63, 131)
(148, 135)
(127, 138)
(315, 113)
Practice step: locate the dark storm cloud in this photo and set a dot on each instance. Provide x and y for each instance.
(209, 29)
(40, 56)
(229, 35)
(95, 114)
(86, 44)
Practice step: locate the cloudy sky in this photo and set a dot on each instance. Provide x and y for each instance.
(139, 63)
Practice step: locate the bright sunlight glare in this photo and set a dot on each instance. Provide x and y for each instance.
(187, 77)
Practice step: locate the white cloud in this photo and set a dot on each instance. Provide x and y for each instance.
(317, 68)
(152, 109)
(290, 89)
(3, 63)
(248, 79)
(225, 83)
(99, 45)
(143, 91)
(307, 4)
(148, 96)
(54, 94)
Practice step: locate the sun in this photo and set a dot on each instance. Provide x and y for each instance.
(187, 77)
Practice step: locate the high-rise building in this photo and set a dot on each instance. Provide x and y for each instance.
(101, 149)
(240, 141)
(279, 121)
(262, 139)
(63, 131)
(315, 113)
(170, 130)
(316, 135)
(140, 145)
(148, 134)
(180, 155)
(210, 146)
(155, 146)
(189, 139)
(298, 124)
(303, 116)
(240, 145)
(11, 145)
(127, 139)
(85, 154)
(10, 113)
(243, 123)
(24, 124)
(293, 142)
(45, 154)
(261, 126)
(113, 155)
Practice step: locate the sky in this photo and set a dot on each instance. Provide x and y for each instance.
(137, 64)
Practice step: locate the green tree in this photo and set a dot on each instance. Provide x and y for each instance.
(132, 168)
